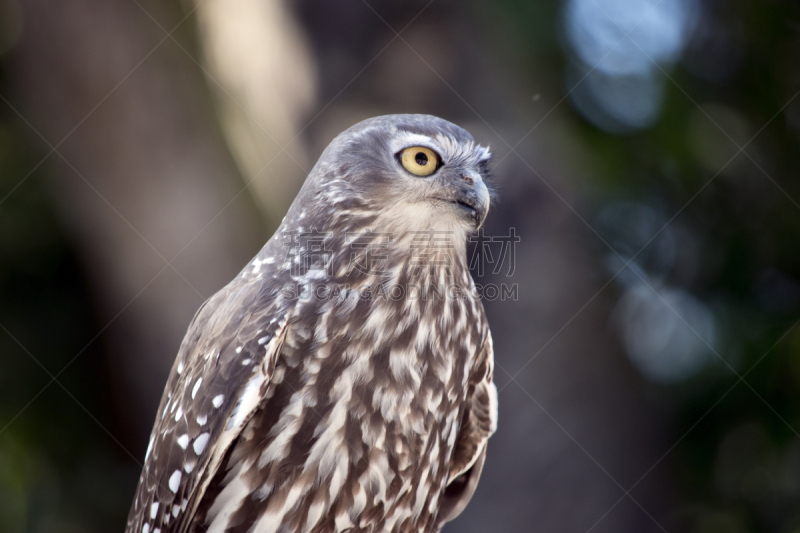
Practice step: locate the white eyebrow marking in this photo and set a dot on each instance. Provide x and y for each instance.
(406, 139)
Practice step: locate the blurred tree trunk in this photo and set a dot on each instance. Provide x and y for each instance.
(261, 72)
(145, 179)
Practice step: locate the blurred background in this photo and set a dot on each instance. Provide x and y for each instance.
(646, 157)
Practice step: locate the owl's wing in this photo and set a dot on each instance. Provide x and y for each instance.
(478, 423)
(221, 374)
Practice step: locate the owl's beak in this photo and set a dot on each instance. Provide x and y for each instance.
(470, 199)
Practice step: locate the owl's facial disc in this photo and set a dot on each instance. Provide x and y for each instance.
(457, 185)
(464, 191)
(443, 175)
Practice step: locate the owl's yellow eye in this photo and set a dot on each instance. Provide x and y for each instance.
(419, 160)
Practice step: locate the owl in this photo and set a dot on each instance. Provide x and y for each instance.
(343, 381)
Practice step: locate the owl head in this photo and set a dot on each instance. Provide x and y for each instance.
(401, 173)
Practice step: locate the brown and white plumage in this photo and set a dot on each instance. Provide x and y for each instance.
(343, 381)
